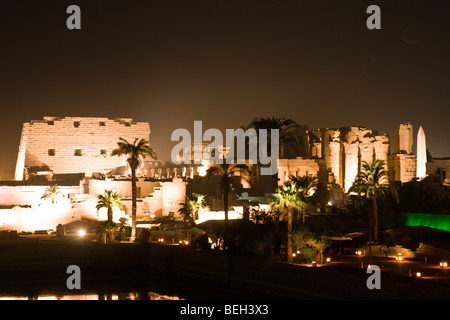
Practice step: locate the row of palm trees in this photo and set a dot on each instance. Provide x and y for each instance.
(135, 152)
(109, 199)
(139, 149)
(372, 183)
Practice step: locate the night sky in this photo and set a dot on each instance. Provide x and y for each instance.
(171, 62)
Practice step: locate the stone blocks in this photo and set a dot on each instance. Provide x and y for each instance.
(75, 144)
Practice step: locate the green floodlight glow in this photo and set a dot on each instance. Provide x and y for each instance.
(435, 221)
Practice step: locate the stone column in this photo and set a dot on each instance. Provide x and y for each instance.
(335, 160)
(403, 142)
(381, 148)
(351, 163)
(366, 151)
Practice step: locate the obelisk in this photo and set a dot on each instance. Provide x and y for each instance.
(421, 154)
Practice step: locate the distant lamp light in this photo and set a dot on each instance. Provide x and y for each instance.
(81, 232)
(294, 254)
(418, 274)
(329, 203)
(358, 252)
(328, 259)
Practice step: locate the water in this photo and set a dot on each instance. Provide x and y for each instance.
(93, 296)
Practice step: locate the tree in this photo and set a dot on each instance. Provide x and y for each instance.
(109, 199)
(192, 206)
(288, 196)
(372, 183)
(226, 171)
(301, 237)
(288, 133)
(108, 228)
(304, 238)
(308, 184)
(320, 244)
(51, 192)
(288, 130)
(321, 195)
(134, 152)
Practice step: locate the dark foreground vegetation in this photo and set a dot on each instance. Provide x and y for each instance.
(28, 268)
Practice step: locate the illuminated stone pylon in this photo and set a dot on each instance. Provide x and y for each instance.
(421, 154)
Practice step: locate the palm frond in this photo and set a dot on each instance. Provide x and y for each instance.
(373, 180)
(134, 151)
(289, 194)
(109, 198)
(288, 129)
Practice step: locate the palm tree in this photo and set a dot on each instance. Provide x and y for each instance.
(51, 192)
(372, 183)
(192, 205)
(288, 133)
(303, 238)
(288, 130)
(308, 184)
(135, 152)
(107, 227)
(321, 195)
(226, 171)
(289, 196)
(109, 199)
(320, 243)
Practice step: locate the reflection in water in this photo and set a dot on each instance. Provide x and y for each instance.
(94, 296)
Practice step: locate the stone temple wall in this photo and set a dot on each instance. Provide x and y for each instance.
(440, 166)
(402, 167)
(75, 144)
(403, 162)
(403, 142)
(346, 148)
(338, 152)
(296, 167)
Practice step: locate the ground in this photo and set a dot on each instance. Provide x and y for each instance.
(29, 266)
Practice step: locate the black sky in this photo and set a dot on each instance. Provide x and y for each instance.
(226, 62)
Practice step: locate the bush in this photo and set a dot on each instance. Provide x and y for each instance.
(308, 254)
(124, 233)
(264, 246)
(309, 244)
(142, 234)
